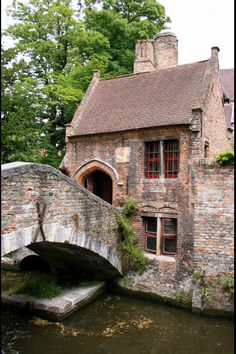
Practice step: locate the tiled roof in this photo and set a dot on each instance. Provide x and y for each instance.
(227, 80)
(150, 99)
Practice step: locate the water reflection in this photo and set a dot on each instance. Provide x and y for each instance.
(118, 325)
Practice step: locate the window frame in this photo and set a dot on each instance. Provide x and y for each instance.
(169, 157)
(149, 173)
(168, 236)
(149, 234)
(159, 234)
(164, 157)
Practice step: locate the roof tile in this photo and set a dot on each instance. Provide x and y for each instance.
(227, 79)
(150, 99)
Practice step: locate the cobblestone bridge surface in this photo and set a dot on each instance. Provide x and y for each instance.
(61, 221)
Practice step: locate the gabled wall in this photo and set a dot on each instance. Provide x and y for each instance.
(208, 126)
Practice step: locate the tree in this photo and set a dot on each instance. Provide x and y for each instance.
(42, 89)
(123, 22)
(49, 66)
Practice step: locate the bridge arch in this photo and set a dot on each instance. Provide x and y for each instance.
(35, 263)
(98, 177)
(48, 210)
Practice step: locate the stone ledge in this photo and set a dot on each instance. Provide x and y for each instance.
(59, 307)
(160, 258)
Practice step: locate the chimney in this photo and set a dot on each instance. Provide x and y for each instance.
(214, 52)
(144, 56)
(96, 73)
(166, 50)
(215, 57)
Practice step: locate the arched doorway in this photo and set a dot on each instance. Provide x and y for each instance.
(100, 184)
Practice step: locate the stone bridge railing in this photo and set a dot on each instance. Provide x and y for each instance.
(41, 204)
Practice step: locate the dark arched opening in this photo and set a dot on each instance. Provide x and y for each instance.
(35, 263)
(100, 184)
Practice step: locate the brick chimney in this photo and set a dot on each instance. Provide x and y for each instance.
(144, 56)
(215, 57)
(165, 50)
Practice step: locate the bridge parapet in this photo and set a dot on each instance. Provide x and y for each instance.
(41, 204)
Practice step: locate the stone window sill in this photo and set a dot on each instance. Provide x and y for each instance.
(162, 180)
(162, 258)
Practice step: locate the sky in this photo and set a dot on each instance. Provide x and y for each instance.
(198, 25)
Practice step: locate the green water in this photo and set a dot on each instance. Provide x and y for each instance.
(118, 325)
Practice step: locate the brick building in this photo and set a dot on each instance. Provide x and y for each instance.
(138, 135)
(227, 80)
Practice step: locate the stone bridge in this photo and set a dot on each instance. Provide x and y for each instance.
(49, 213)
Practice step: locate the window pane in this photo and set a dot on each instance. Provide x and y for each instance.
(169, 236)
(169, 245)
(169, 226)
(151, 225)
(150, 234)
(171, 158)
(151, 243)
(152, 160)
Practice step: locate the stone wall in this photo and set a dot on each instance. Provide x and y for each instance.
(214, 129)
(155, 196)
(213, 198)
(68, 212)
(205, 285)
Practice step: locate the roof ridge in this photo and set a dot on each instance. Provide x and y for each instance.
(152, 71)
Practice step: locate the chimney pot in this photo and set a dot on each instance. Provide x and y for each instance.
(96, 73)
(144, 56)
(215, 51)
(166, 50)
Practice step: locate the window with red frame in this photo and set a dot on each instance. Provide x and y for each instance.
(171, 158)
(168, 236)
(152, 160)
(150, 225)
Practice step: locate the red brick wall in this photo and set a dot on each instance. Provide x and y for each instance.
(213, 197)
(214, 129)
(160, 196)
(68, 207)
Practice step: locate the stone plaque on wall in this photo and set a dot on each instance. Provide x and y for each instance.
(122, 154)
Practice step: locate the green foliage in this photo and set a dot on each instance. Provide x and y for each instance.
(130, 208)
(45, 74)
(10, 267)
(198, 274)
(207, 293)
(9, 255)
(227, 282)
(40, 286)
(84, 284)
(48, 61)
(133, 254)
(123, 23)
(190, 270)
(180, 297)
(225, 157)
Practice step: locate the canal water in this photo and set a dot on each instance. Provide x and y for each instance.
(115, 324)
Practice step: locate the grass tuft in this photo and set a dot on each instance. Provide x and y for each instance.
(40, 286)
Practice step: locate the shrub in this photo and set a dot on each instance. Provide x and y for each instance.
(39, 286)
(227, 282)
(207, 293)
(198, 274)
(133, 257)
(130, 208)
(9, 255)
(180, 298)
(225, 157)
